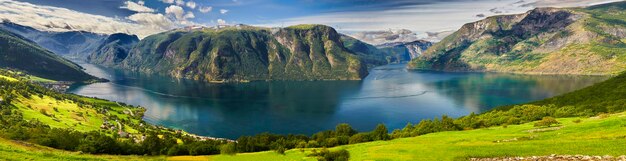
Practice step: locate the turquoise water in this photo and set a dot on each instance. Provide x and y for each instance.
(389, 95)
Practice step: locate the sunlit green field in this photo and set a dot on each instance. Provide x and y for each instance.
(592, 136)
(7, 78)
(13, 150)
(68, 114)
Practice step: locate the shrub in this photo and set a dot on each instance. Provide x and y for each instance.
(358, 138)
(228, 149)
(326, 155)
(281, 150)
(603, 115)
(547, 122)
(380, 133)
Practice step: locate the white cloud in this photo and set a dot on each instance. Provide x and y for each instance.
(442, 16)
(221, 22)
(223, 11)
(48, 18)
(141, 2)
(189, 15)
(179, 14)
(175, 11)
(180, 2)
(568, 3)
(205, 9)
(137, 7)
(153, 21)
(191, 4)
(167, 1)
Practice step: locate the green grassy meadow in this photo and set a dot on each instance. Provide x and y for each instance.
(15, 150)
(592, 136)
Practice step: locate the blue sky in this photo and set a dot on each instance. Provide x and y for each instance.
(242, 11)
(144, 17)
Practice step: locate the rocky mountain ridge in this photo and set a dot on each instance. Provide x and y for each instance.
(587, 40)
(246, 53)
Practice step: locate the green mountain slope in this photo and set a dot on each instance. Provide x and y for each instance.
(71, 43)
(588, 40)
(243, 53)
(113, 50)
(21, 54)
(368, 53)
(404, 52)
(391, 53)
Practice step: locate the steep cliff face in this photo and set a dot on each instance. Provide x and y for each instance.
(243, 53)
(405, 52)
(19, 53)
(397, 52)
(544, 40)
(113, 50)
(74, 43)
(368, 54)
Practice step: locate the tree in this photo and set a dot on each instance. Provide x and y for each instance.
(380, 133)
(301, 145)
(344, 130)
(358, 138)
(229, 149)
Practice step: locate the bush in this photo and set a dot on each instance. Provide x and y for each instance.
(228, 149)
(281, 150)
(547, 122)
(380, 133)
(358, 138)
(326, 155)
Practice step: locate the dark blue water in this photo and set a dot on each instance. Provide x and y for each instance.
(389, 95)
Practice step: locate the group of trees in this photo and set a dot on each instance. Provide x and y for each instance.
(342, 135)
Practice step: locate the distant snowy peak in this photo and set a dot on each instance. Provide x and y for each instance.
(392, 37)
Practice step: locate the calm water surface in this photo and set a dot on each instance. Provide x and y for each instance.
(389, 95)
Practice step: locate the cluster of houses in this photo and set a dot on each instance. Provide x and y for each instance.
(58, 86)
(106, 125)
(205, 138)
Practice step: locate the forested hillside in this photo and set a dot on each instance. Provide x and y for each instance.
(21, 54)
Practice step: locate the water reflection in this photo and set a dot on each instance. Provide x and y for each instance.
(480, 92)
(389, 95)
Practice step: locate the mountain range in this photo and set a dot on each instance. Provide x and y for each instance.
(589, 41)
(113, 50)
(21, 54)
(244, 53)
(71, 43)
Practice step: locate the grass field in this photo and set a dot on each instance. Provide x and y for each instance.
(592, 136)
(67, 114)
(8, 78)
(13, 150)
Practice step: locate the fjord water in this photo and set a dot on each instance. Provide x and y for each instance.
(389, 95)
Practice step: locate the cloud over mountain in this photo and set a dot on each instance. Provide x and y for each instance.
(137, 7)
(49, 18)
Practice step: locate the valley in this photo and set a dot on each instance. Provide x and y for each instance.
(389, 94)
(334, 81)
